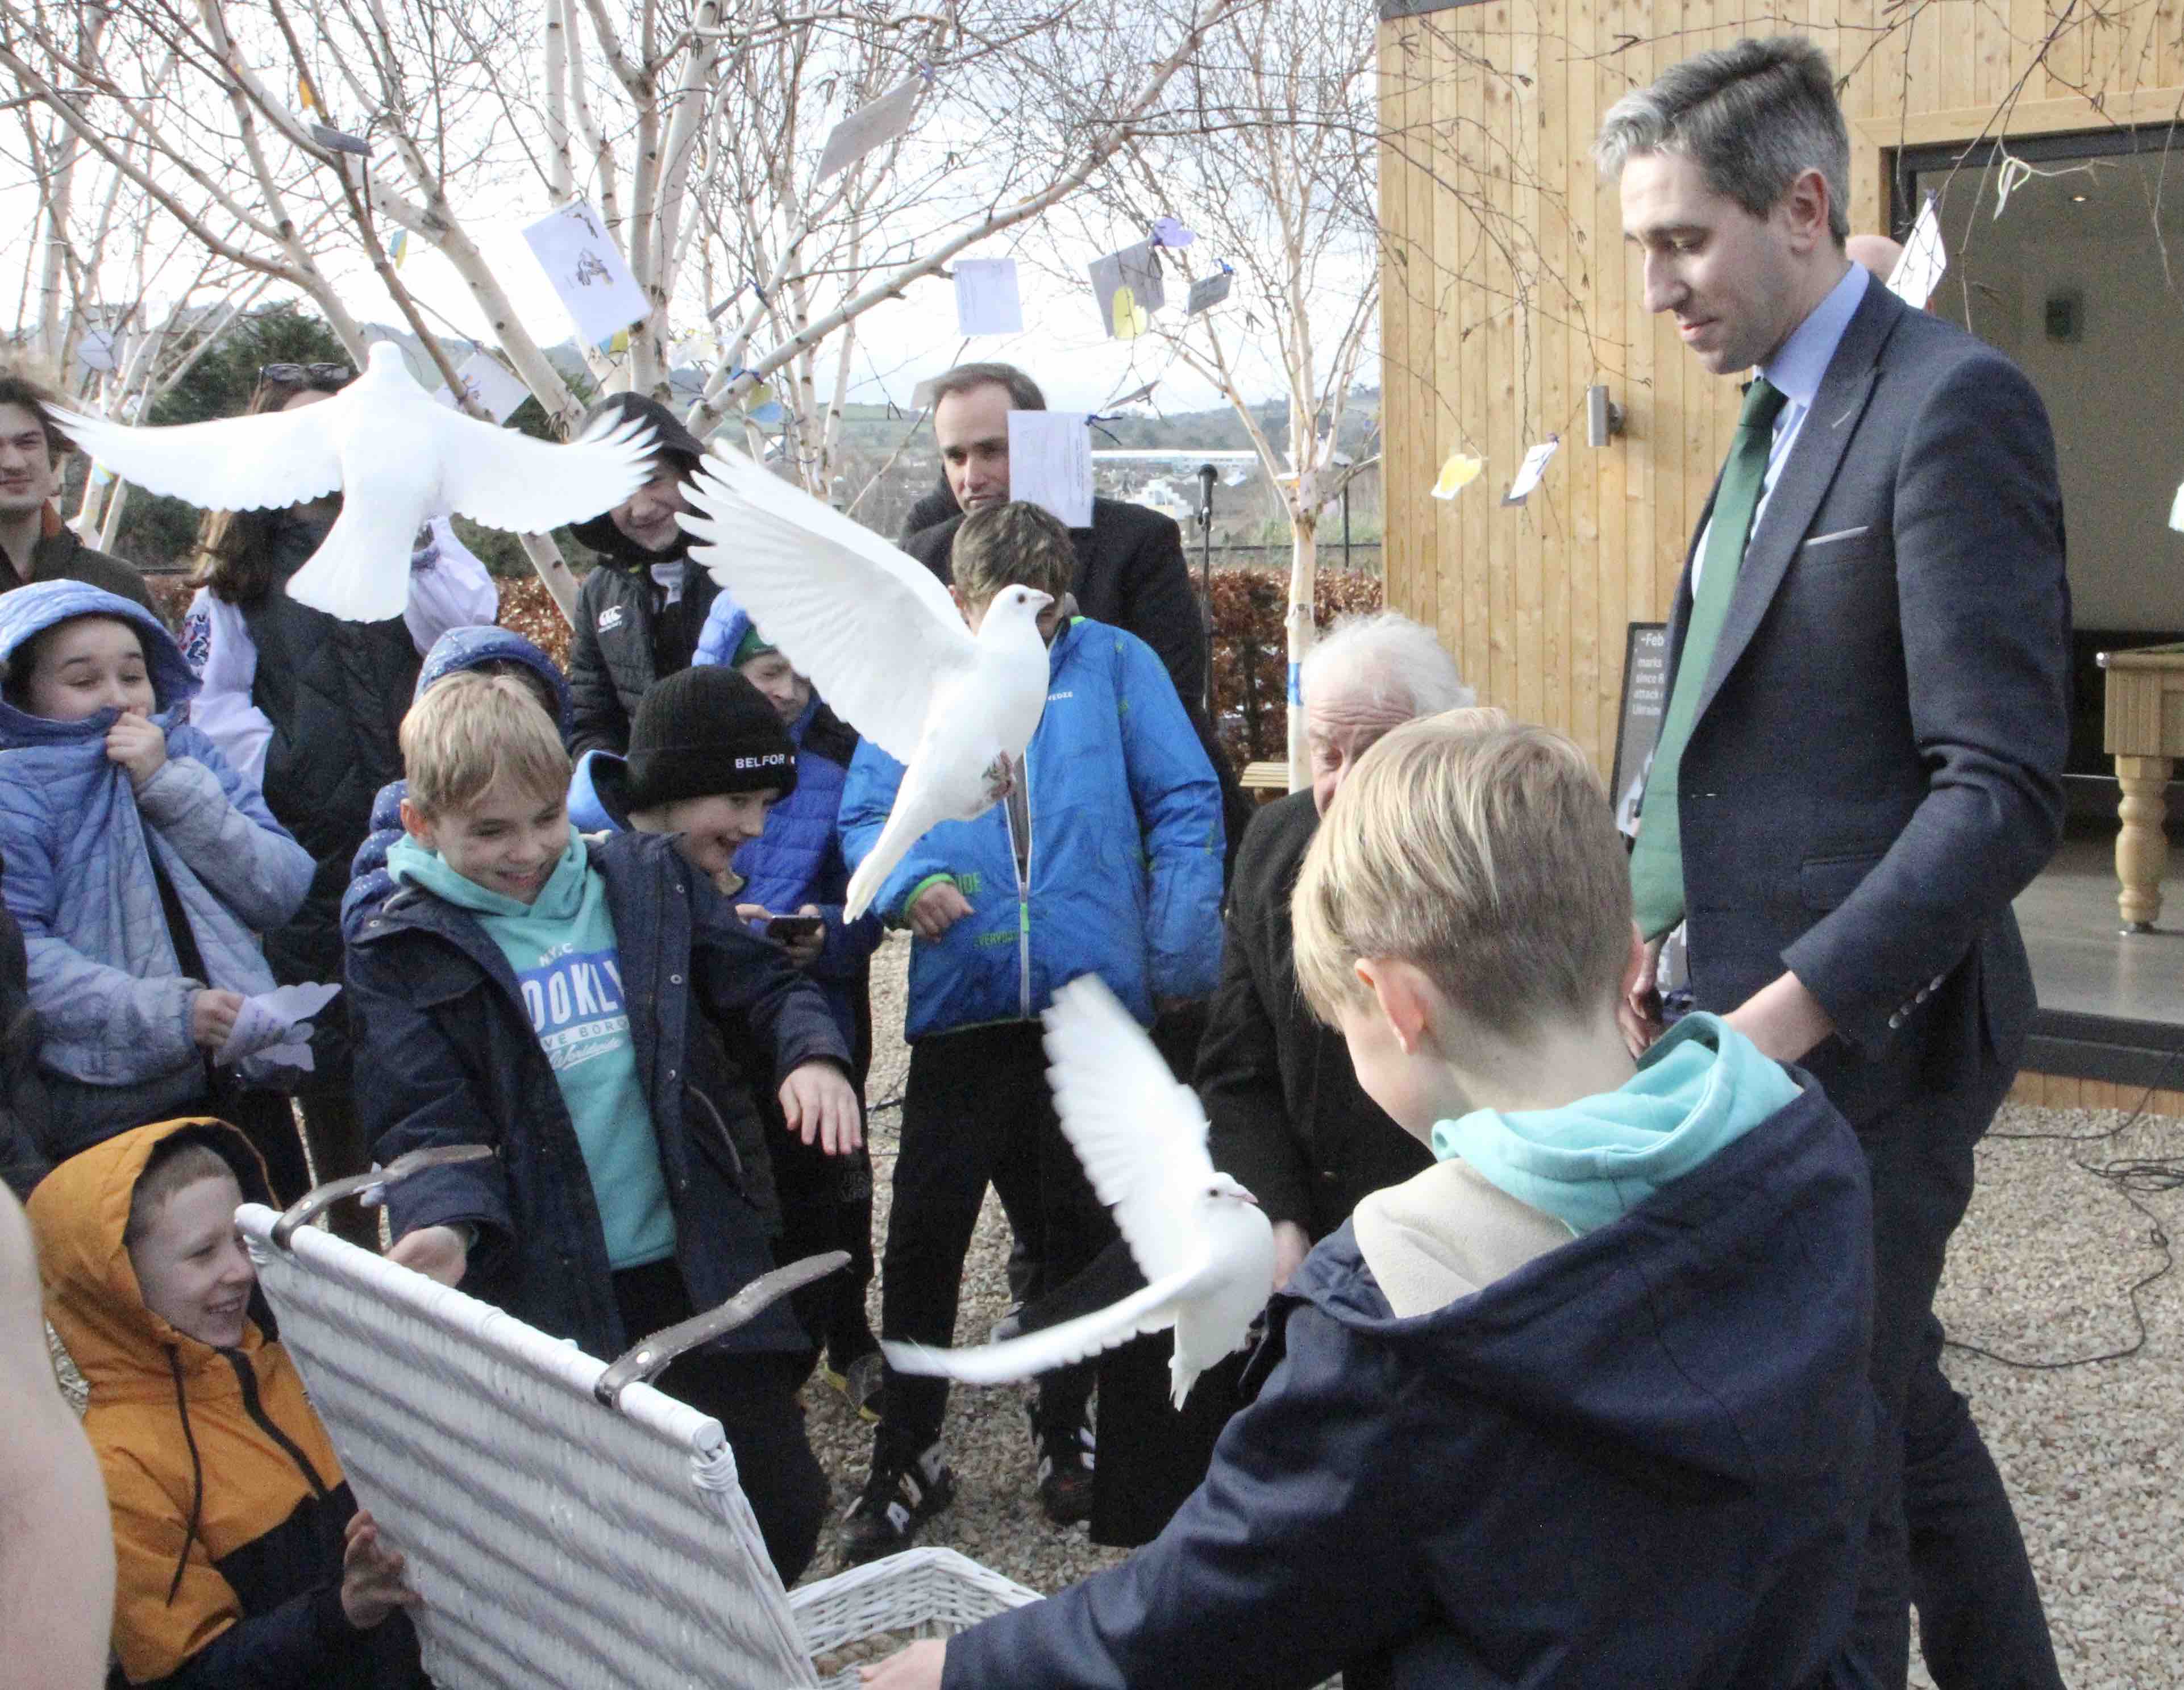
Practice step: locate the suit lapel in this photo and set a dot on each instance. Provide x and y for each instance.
(1805, 479)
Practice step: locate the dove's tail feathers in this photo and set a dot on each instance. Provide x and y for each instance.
(905, 826)
(1181, 1377)
(1152, 1309)
(360, 572)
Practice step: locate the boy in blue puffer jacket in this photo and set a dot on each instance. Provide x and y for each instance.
(796, 864)
(1106, 860)
(141, 867)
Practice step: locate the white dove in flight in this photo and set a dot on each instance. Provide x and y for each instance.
(395, 457)
(882, 644)
(1205, 1248)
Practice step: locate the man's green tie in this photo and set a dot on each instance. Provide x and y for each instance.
(1657, 863)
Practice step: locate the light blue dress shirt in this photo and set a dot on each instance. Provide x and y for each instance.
(1796, 372)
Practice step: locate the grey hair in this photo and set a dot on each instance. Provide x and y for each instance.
(1753, 117)
(1387, 659)
(1023, 392)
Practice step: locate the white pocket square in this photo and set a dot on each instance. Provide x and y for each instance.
(1839, 534)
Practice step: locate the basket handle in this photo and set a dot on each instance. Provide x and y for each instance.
(648, 1357)
(316, 1202)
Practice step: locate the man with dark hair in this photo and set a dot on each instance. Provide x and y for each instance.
(35, 543)
(1130, 567)
(1861, 761)
(639, 612)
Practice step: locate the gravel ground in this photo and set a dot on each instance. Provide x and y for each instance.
(2040, 1269)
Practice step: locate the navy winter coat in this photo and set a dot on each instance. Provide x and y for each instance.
(443, 1032)
(1640, 1459)
(798, 860)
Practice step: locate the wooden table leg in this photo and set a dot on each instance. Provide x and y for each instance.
(2141, 851)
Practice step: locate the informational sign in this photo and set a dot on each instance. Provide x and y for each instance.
(987, 302)
(886, 118)
(1051, 463)
(586, 271)
(1638, 728)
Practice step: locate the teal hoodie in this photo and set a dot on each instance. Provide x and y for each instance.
(1702, 1086)
(561, 947)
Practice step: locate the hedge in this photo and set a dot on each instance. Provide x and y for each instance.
(1251, 662)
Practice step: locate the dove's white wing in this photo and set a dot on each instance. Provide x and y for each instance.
(507, 479)
(870, 626)
(1140, 1136)
(1150, 1310)
(260, 462)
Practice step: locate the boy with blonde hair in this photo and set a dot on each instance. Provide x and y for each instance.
(529, 989)
(1105, 860)
(1583, 1404)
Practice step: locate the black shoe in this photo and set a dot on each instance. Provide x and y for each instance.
(1065, 1467)
(899, 1497)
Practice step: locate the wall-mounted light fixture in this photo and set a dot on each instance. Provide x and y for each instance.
(1603, 417)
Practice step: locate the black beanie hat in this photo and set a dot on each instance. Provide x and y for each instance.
(706, 730)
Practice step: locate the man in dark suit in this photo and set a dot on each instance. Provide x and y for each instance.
(1130, 567)
(1860, 765)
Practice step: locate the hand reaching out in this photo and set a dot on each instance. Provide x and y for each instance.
(820, 1105)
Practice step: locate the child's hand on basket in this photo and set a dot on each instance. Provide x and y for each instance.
(915, 1668)
(438, 1253)
(371, 1574)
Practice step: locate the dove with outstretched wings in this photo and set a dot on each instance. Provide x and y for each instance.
(1204, 1246)
(882, 644)
(395, 457)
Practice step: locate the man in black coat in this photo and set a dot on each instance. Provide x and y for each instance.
(1130, 567)
(1861, 761)
(1288, 1117)
(640, 611)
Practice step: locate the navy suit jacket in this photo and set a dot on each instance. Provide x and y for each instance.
(1875, 771)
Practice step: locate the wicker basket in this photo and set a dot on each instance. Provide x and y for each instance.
(918, 1593)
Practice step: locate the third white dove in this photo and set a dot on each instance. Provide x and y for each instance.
(882, 644)
(394, 456)
(1205, 1247)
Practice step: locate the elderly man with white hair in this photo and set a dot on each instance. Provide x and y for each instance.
(1289, 1118)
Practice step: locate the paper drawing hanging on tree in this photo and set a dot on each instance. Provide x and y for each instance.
(587, 273)
(1127, 288)
(394, 456)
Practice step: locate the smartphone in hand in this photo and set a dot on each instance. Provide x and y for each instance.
(782, 929)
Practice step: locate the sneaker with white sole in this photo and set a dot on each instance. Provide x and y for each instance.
(897, 1498)
(1066, 1452)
